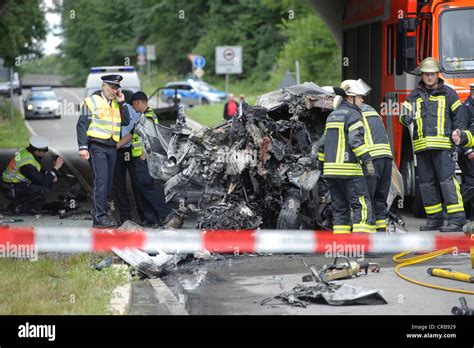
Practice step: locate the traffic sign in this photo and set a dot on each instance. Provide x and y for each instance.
(150, 52)
(228, 59)
(141, 50)
(199, 62)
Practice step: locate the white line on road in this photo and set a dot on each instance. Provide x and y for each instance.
(165, 296)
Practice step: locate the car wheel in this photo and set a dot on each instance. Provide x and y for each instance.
(205, 102)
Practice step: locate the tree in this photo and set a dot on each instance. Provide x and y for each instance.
(22, 28)
(308, 41)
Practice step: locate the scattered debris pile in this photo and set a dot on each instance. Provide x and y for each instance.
(257, 171)
(331, 292)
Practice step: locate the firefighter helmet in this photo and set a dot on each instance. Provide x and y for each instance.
(355, 87)
(429, 65)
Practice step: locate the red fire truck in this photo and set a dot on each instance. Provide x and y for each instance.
(383, 42)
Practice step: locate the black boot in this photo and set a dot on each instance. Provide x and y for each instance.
(104, 222)
(432, 226)
(451, 228)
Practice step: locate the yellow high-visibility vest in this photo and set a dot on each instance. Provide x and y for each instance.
(137, 147)
(12, 173)
(105, 120)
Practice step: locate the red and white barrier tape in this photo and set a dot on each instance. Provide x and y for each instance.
(53, 239)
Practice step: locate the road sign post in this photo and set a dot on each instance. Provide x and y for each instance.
(198, 64)
(150, 55)
(228, 61)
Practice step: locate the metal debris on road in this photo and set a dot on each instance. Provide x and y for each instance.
(333, 293)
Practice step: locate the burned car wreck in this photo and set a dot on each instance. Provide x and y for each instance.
(256, 171)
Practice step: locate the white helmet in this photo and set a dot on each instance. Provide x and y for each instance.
(355, 87)
(39, 142)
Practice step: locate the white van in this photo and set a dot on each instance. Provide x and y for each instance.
(130, 83)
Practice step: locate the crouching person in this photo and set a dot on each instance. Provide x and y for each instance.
(25, 183)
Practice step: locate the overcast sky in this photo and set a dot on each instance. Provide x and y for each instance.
(54, 20)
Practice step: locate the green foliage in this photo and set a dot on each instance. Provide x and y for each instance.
(51, 64)
(22, 27)
(12, 134)
(309, 42)
(272, 34)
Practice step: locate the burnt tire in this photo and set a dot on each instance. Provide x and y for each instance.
(289, 216)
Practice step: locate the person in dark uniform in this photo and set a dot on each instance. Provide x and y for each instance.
(376, 140)
(155, 209)
(432, 108)
(98, 132)
(124, 165)
(24, 180)
(341, 154)
(466, 154)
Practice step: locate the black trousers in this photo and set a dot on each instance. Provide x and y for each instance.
(154, 205)
(346, 194)
(26, 197)
(436, 171)
(379, 187)
(467, 168)
(124, 165)
(102, 161)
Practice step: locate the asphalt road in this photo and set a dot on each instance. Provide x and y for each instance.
(238, 284)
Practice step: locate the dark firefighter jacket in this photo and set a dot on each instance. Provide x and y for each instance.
(342, 147)
(433, 114)
(375, 135)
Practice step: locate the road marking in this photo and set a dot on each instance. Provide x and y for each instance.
(76, 97)
(165, 296)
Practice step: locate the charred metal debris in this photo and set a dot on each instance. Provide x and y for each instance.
(256, 171)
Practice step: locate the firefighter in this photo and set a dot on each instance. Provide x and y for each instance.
(466, 154)
(341, 155)
(98, 132)
(376, 140)
(155, 209)
(25, 183)
(432, 108)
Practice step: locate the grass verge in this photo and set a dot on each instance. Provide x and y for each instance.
(211, 115)
(68, 285)
(12, 134)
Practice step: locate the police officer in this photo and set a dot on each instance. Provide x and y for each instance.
(432, 108)
(124, 165)
(342, 152)
(155, 209)
(466, 154)
(376, 140)
(24, 180)
(98, 132)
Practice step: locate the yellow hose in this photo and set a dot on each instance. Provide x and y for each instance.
(421, 258)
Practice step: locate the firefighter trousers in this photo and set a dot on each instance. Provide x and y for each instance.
(379, 187)
(436, 172)
(467, 168)
(346, 194)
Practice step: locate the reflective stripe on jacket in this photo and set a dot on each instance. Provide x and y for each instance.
(12, 174)
(137, 146)
(342, 147)
(105, 120)
(434, 116)
(375, 135)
